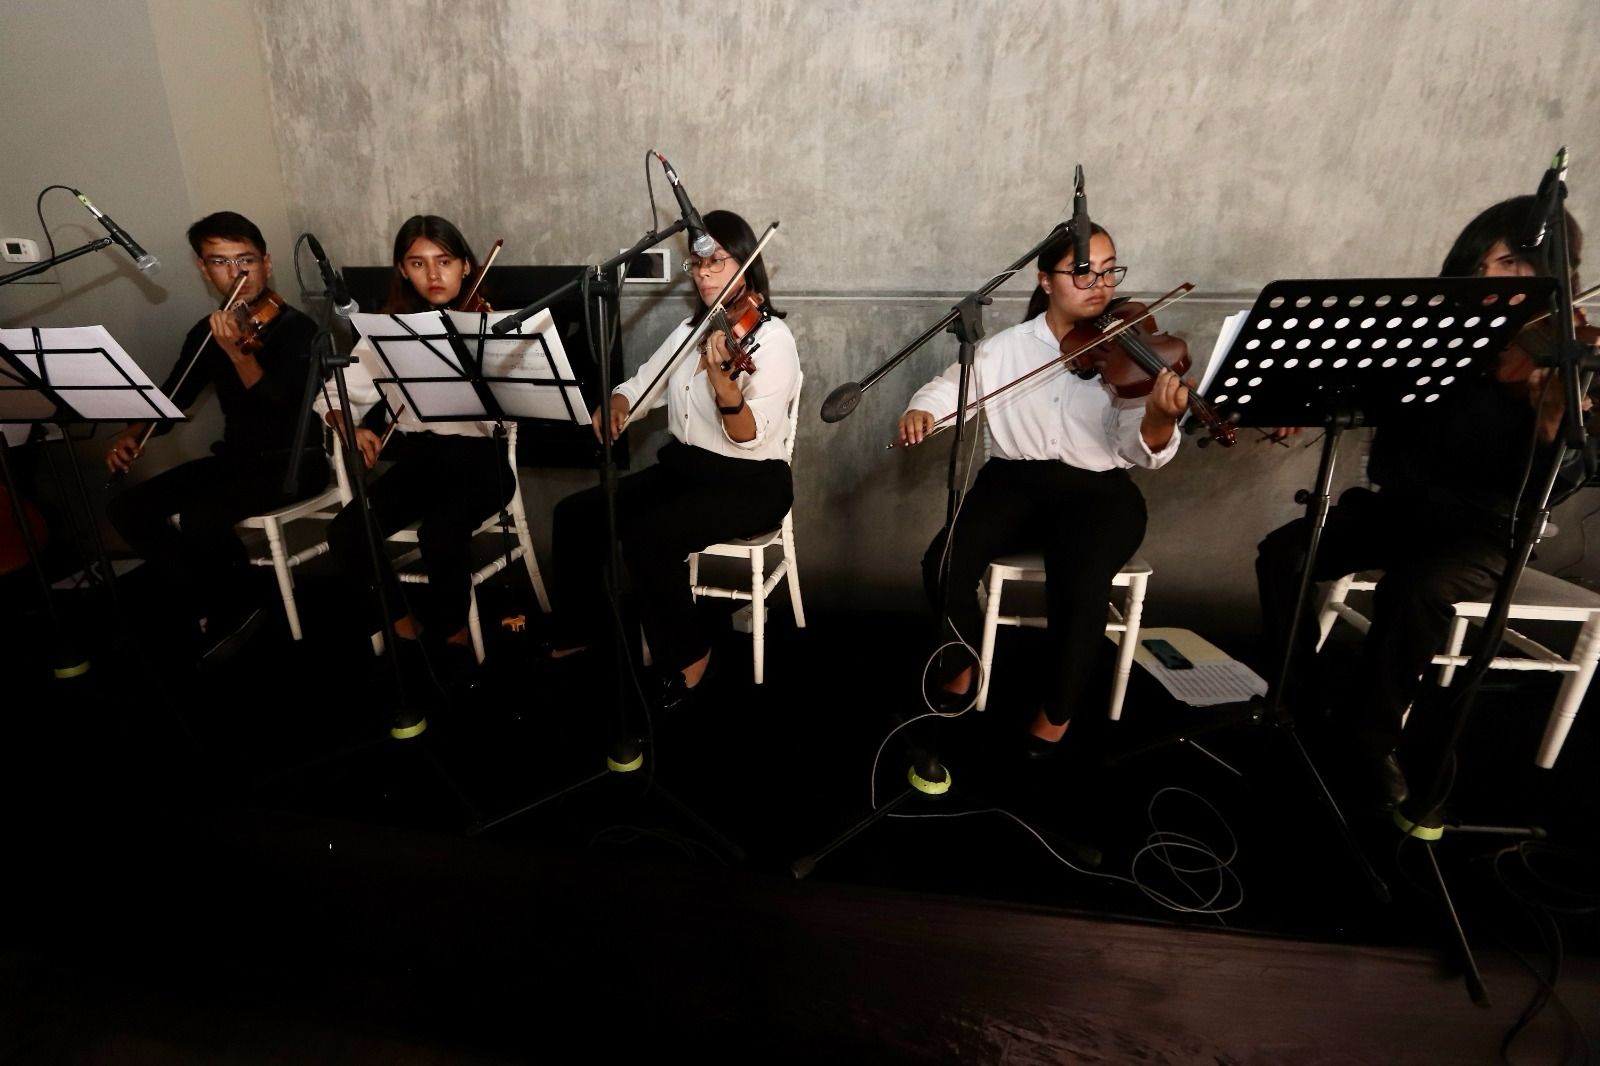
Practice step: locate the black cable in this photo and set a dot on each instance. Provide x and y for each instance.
(650, 189)
(38, 208)
(1527, 467)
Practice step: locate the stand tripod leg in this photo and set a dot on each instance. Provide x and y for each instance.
(734, 851)
(802, 867)
(1474, 979)
(1379, 887)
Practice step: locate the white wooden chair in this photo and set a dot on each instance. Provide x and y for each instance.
(1539, 596)
(517, 518)
(762, 583)
(1123, 624)
(319, 508)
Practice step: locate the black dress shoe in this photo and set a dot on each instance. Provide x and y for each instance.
(1035, 747)
(229, 638)
(1382, 782)
(675, 694)
(944, 701)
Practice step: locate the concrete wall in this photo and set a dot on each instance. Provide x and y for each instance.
(910, 150)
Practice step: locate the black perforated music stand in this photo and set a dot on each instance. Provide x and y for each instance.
(1346, 353)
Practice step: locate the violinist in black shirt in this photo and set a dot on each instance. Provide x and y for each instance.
(1438, 525)
(254, 359)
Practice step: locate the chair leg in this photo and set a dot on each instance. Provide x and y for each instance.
(793, 562)
(758, 613)
(529, 559)
(1457, 637)
(694, 572)
(991, 621)
(1585, 653)
(474, 626)
(1337, 593)
(1132, 612)
(280, 567)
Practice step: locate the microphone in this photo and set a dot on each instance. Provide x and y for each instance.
(1547, 198)
(1080, 225)
(699, 240)
(841, 401)
(141, 258)
(338, 294)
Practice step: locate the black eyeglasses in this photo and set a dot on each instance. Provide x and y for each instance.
(1112, 275)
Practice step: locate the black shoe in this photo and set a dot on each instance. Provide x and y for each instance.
(229, 638)
(943, 701)
(457, 667)
(675, 694)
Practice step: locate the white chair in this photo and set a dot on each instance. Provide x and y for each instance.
(1123, 625)
(517, 518)
(320, 508)
(1539, 596)
(755, 550)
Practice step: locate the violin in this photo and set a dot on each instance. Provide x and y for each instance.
(1129, 361)
(1535, 344)
(738, 320)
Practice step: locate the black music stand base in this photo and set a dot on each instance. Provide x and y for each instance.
(927, 778)
(625, 763)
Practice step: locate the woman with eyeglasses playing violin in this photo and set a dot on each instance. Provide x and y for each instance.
(1438, 525)
(251, 353)
(723, 475)
(447, 476)
(1056, 481)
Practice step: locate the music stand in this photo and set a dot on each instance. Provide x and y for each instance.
(450, 367)
(1346, 353)
(64, 375)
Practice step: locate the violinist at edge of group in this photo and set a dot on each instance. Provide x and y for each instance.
(1438, 524)
(1056, 480)
(448, 477)
(258, 374)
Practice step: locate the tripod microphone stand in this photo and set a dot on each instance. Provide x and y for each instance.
(625, 754)
(927, 776)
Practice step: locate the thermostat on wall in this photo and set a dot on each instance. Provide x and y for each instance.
(19, 250)
(653, 267)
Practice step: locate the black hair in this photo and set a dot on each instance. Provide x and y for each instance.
(1050, 255)
(739, 240)
(226, 226)
(403, 297)
(1511, 221)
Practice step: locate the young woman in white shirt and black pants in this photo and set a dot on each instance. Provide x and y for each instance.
(1056, 480)
(724, 475)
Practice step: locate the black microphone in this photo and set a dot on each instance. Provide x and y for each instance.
(338, 294)
(699, 240)
(141, 258)
(841, 401)
(1549, 193)
(1080, 225)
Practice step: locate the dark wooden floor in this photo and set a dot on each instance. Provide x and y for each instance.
(239, 868)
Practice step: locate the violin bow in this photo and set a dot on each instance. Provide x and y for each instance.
(944, 423)
(472, 293)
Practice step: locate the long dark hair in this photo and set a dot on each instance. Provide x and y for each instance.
(403, 297)
(1510, 221)
(1049, 257)
(739, 240)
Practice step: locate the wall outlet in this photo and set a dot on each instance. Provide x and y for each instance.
(653, 267)
(19, 250)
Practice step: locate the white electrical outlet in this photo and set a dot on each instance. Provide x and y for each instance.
(19, 250)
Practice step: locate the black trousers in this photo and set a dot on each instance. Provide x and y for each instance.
(447, 485)
(689, 499)
(1087, 525)
(203, 560)
(1431, 556)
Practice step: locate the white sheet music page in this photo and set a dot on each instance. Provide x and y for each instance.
(412, 349)
(534, 358)
(92, 371)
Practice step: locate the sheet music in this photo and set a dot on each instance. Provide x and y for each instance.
(1230, 329)
(402, 357)
(534, 355)
(93, 371)
(1215, 678)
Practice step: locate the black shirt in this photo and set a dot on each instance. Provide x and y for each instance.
(1469, 452)
(262, 419)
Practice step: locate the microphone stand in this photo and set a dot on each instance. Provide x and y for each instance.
(1421, 817)
(927, 775)
(46, 264)
(625, 750)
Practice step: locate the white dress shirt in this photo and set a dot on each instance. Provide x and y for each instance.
(365, 393)
(692, 414)
(1057, 415)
